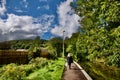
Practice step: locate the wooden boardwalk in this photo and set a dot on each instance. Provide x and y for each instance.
(75, 73)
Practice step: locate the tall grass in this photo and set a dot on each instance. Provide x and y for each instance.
(53, 71)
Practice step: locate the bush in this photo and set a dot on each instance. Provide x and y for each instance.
(19, 72)
(39, 62)
(12, 72)
(36, 52)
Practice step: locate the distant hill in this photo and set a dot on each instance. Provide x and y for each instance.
(20, 44)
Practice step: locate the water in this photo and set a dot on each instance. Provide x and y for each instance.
(99, 71)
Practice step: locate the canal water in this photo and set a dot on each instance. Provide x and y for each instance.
(99, 71)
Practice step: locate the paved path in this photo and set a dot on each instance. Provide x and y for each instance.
(73, 74)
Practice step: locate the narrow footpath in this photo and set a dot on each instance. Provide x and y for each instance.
(74, 73)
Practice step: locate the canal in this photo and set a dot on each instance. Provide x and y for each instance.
(99, 71)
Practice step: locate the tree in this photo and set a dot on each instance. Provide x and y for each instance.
(37, 41)
(71, 44)
(99, 13)
(56, 44)
(100, 25)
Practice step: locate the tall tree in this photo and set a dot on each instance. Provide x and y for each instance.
(100, 23)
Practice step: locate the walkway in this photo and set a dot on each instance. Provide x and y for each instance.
(74, 73)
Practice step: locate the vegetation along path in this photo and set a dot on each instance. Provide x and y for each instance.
(74, 73)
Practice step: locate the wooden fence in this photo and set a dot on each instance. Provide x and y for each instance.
(9, 56)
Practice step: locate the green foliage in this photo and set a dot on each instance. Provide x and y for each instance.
(39, 62)
(22, 44)
(12, 72)
(19, 72)
(53, 71)
(69, 48)
(99, 71)
(99, 13)
(30, 55)
(81, 47)
(114, 60)
(51, 50)
(71, 45)
(36, 52)
(101, 30)
(55, 44)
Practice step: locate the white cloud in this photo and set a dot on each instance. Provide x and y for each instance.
(20, 11)
(20, 27)
(2, 7)
(68, 21)
(38, 7)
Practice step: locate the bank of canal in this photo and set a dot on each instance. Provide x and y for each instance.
(99, 71)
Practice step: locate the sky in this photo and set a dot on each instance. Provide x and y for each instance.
(26, 19)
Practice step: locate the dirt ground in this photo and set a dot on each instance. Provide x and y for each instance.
(73, 74)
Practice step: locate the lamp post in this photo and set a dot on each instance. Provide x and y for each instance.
(63, 43)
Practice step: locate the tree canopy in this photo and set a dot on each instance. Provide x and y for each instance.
(100, 24)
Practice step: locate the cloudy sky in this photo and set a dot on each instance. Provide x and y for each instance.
(22, 19)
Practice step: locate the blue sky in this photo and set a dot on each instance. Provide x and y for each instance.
(22, 19)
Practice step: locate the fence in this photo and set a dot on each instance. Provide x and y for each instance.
(9, 56)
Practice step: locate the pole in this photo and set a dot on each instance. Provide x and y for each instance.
(63, 44)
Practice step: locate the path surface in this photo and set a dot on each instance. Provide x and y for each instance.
(73, 74)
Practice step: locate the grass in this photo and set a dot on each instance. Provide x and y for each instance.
(37, 69)
(99, 71)
(53, 71)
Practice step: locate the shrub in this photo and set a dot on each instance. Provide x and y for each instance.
(12, 72)
(19, 72)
